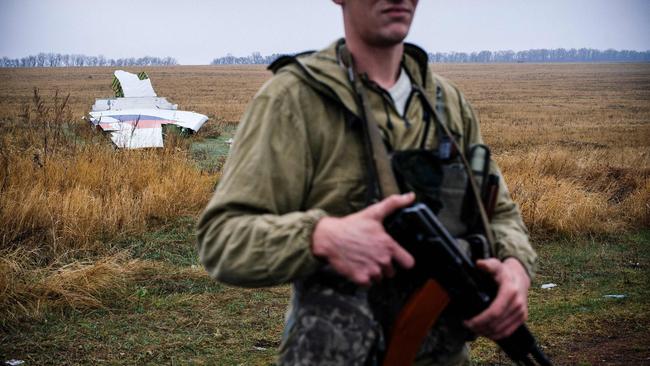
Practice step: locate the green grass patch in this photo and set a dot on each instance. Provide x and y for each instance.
(210, 153)
(575, 322)
(175, 314)
(172, 243)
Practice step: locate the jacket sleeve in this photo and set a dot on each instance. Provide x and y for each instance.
(254, 231)
(510, 233)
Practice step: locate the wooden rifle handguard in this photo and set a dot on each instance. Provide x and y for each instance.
(414, 322)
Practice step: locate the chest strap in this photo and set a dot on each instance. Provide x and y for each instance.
(379, 167)
(472, 180)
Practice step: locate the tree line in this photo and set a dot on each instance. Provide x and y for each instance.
(533, 55)
(255, 58)
(70, 60)
(542, 55)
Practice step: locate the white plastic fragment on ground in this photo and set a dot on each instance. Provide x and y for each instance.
(132, 86)
(128, 137)
(259, 348)
(136, 120)
(14, 362)
(548, 286)
(615, 296)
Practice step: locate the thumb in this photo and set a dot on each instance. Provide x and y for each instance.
(490, 265)
(390, 204)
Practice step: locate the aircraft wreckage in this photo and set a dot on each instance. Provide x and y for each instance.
(135, 117)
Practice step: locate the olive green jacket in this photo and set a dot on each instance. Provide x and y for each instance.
(295, 159)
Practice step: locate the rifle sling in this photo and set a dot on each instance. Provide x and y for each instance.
(385, 176)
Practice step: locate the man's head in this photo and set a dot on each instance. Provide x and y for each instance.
(378, 23)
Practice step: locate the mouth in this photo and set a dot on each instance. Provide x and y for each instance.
(397, 11)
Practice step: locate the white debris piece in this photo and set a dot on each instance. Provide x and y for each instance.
(145, 118)
(118, 104)
(14, 362)
(129, 137)
(616, 296)
(548, 286)
(132, 86)
(136, 120)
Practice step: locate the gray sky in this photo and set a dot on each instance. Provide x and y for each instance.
(196, 31)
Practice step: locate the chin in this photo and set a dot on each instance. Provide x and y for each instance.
(390, 38)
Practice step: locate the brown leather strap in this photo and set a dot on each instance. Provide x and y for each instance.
(386, 177)
(379, 160)
(413, 323)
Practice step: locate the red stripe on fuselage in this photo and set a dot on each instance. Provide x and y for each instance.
(143, 123)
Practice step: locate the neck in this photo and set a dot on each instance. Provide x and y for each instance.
(382, 64)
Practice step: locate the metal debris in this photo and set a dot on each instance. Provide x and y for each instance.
(13, 362)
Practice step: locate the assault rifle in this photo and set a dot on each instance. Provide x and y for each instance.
(469, 289)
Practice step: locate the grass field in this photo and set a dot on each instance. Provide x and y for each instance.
(97, 258)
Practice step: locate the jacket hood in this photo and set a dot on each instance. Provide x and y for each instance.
(324, 71)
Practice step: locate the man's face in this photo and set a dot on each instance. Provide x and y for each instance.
(379, 23)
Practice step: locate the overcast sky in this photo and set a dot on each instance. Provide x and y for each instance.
(196, 31)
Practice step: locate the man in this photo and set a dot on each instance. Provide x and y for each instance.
(292, 204)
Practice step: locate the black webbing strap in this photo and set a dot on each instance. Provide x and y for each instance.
(438, 117)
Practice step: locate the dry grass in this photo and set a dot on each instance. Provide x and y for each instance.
(67, 195)
(579, 131)
(572, 140)
(29, 291)
(575, 192)
(61, 195)
(220, 92)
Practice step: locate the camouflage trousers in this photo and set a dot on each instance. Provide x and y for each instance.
(332, 323)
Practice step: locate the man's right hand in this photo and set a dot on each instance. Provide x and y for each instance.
(358, 247)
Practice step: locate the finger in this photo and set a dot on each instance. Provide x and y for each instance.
(503, 320)
(388, 271)
(516, 315)
(386, 265)
(507, 326)
(493, 313)
(490, 265)
(375, 274)
(389, 205)
(373, 271)
(507, 311)
(360, 279)
(401, 256)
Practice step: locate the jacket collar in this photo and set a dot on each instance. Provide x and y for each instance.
(324, 71)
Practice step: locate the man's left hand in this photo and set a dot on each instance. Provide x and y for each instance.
(510, 307)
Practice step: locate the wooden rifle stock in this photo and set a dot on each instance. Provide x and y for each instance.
(413, 323)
